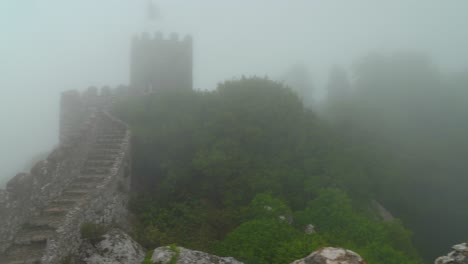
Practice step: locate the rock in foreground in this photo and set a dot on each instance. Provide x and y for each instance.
(116, 248)
(459, 255)
(163, 255)
(330, 255)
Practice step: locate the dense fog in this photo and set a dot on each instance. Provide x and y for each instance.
(51, 46)
(390, 77)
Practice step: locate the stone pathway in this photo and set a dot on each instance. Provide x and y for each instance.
(31, 241)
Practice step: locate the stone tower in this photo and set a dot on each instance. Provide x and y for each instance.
(161, 64)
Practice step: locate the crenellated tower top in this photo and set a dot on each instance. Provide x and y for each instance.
(159, 63)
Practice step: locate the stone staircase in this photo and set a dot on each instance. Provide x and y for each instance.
(31, 242)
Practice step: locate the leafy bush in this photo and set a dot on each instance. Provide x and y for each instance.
(267, 241)
(148, 256)
(175, 257)
(93, 232)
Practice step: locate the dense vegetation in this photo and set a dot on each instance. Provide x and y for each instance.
(242, 170)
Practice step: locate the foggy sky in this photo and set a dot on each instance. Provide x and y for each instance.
(47, 46)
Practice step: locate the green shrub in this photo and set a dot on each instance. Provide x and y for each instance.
(93, 232)
(148, 257)
(267, 241)
(174, 248)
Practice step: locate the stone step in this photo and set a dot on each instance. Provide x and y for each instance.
(28, 261)
(104, 140)
(98, 149)
(112, 142)
(109, 140)
(64, 202)
(73, 193)
(91, 171)
(116, 135)
(99, 163)
(44, 222)
(96, 178)
(24, 254)
(98, 166)
(101, 157)
(58, 211)
(30, 236)
(103, 152)
(103, 134)
(82, 185)
(112, 128)
(99, 146)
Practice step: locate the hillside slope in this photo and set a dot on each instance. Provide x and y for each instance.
(242, 170)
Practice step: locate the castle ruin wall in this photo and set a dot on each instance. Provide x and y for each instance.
(27, 194)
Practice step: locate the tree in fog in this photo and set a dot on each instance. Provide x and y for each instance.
(298, 78)
(338, 86)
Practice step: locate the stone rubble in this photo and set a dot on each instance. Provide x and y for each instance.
(459, 255)
(327, 255)
(116, 248)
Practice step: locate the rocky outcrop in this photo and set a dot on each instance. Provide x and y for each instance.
(164, 255)
(459, 255)
(327, 255)
(116, 248)
(330, 255)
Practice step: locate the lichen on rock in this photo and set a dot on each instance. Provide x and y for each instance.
(116, 248)
(164, 255)
(331, 255)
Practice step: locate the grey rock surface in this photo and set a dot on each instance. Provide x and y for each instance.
(459, 255)
(116, 248)
(330, 255)
(163, 255)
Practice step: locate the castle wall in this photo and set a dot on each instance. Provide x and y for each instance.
(157, 64)
(107, 204)
(27, 194)
(78, 109)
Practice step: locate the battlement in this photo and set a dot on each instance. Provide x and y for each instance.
(159, 37)
(93, 93)
(77, 108)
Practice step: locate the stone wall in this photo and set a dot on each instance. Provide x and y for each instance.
(106, 204)
(76, 109)
(83, 118)
(28, 193)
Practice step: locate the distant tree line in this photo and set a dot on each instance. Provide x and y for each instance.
(414, 118)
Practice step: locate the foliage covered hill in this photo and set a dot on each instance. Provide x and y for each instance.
(217, 171)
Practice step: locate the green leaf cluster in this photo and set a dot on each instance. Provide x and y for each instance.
(268, 239)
